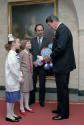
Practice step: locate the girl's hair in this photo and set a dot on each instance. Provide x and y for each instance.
(23, 42)
(10, 41)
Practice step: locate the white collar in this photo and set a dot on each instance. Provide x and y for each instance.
(58, 25)
(25, 51)
(41, 38)
(12, 51)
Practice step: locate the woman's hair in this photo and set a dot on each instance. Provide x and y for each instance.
(23, 42)
(11, 39)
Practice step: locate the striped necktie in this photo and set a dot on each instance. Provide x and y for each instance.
(39, 42)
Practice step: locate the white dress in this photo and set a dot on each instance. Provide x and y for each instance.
(12, 74)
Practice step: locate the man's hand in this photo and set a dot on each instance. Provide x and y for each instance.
(48, 59)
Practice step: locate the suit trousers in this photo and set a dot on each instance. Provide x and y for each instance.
(38, 73)
(62, 81)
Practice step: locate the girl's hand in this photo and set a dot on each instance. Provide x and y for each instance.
(21, 80)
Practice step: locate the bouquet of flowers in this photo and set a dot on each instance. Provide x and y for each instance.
(41, 59)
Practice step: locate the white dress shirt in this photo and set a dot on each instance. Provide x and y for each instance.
(40, 40)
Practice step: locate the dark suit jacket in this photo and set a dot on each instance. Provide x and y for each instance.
(62, 51)
(35, 47)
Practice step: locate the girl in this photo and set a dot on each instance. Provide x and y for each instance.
(12, 74)
(26, 69)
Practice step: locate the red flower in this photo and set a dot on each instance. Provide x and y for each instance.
(43, 61)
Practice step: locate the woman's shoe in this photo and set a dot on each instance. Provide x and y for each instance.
(17, 117)
(29, 110)
(22, 112)
(11, 120)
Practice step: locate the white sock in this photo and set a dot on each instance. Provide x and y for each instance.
(9, 110)
(22, 102)
(13, 114)
(26, 100)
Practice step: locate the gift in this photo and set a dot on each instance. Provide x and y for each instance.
(41, 59)
(45, 52)
(50, 46)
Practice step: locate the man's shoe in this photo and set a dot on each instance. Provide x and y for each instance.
(59, 117)
(55, 111)
(42, 104)
(33, 102)
(11, 120)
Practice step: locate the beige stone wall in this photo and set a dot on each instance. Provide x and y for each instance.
(81, 60)
(67, 14)
(3, 37)
(79, 5)
(70, 14)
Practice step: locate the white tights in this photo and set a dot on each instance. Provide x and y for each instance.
(24, 101)
(10, 110)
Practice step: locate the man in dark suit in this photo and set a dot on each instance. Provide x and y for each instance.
(38, 43)
(63, 63)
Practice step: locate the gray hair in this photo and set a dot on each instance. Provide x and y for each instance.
(51, 18)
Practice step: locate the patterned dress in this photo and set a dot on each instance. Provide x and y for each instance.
(26, 68)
